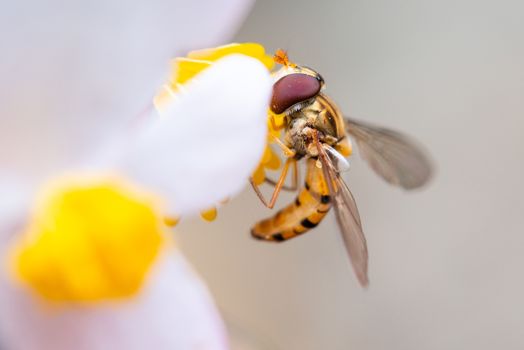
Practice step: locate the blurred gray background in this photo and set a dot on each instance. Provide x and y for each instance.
(445, 262)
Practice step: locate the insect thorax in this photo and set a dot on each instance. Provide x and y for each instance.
(318, 114)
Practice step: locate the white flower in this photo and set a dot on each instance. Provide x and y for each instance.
(212, 130)
(75, 77)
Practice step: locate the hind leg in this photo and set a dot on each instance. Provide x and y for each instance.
(278, 186)
(294, 180)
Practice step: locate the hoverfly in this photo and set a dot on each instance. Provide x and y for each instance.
(316, 130)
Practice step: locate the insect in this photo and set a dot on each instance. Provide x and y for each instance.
(315, 130)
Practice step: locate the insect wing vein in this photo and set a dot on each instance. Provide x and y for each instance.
(348, 218)
(395, 157)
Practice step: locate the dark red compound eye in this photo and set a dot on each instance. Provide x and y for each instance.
(292, 89)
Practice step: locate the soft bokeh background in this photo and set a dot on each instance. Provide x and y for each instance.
(446, 262)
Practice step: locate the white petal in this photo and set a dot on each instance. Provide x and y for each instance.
(15, 195)
(75, 72)
(174, 311)
(206, 146)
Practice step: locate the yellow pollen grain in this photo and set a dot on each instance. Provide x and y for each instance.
(274, 162)
(171, 221)
(209, 215)
(259, 175)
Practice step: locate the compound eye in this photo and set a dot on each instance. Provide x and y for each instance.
(292, 89)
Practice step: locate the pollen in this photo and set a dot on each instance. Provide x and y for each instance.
(282, 58)
(210, 214)
(249, 49)
(186, 68)
(171, 221)
(270, 160)
(259, 175)
(89, 241)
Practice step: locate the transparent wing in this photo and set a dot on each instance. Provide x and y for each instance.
(395, 157)
(347, 216)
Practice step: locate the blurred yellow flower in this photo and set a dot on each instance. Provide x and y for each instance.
(88, 241)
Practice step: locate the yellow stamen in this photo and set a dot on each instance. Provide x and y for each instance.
(249, 49)
(268, 154)
(209, 215)
(89, 241)
(171, 221)
(277, 121)
(274, 162)
(184, 69)
(259, 176)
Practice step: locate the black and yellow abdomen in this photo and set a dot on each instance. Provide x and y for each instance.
(309, 208)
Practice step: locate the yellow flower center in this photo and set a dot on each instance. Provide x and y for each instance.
(186, 68)
(89, 241)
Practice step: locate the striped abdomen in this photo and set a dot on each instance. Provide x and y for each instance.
(310, 207)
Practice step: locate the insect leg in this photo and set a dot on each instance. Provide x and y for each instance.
(278, 186)
(294, 180)
(288, 152)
